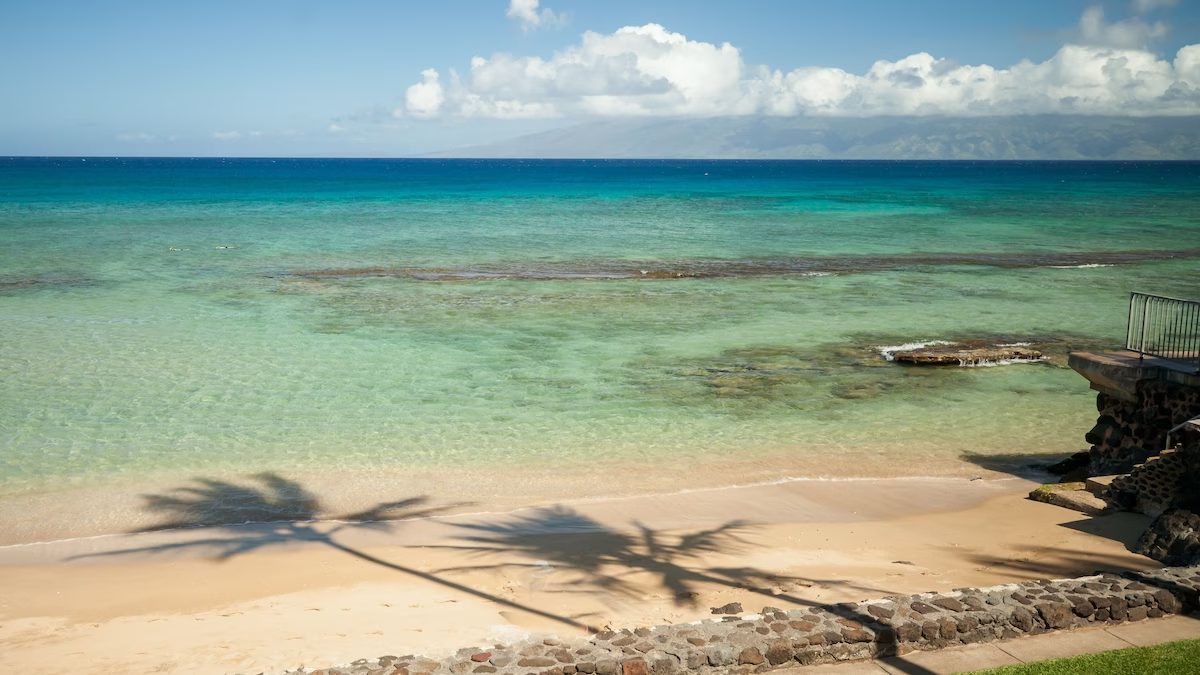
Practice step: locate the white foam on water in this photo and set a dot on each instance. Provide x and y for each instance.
(888, 352)
(1081, 267)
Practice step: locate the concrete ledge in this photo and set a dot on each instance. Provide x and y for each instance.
(1117, 373)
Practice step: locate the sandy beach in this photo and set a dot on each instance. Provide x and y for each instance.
(252, 598)
(334, 331)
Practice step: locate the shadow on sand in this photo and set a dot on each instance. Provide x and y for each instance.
(1032, 467)
(604, 558)
(1034, 562)
(271, 510)
(237, 513)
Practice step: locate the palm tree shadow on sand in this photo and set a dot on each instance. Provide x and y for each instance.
(604, 558)
(272, 510)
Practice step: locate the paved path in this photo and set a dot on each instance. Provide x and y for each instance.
(1020, 650)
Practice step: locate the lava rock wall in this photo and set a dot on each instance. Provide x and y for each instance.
(1127, 434)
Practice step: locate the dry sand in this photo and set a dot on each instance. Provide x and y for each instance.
(271, 597)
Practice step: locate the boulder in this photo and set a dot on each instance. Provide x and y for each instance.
(1172, 539)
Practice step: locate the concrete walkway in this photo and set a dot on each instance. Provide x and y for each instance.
(1043, 647)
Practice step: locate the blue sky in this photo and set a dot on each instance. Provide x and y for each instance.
(270, 77)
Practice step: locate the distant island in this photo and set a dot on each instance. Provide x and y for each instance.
(1064, 137)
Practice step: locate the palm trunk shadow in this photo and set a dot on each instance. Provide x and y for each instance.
(279, 511)
(604, 559)
(604, 556)
(462, 588)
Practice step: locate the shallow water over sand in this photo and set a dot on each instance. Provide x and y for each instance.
(484, 321)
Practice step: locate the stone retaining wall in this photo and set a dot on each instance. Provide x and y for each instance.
(1168, 481)
(752, 643)
(1167, 487)
(1126, 434)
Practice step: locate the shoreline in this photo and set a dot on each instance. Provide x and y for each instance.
(322, 593)
(789, 481)
(132, 504)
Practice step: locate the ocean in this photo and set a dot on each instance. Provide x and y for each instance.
(553, 327)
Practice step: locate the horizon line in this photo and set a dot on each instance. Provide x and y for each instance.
(651, 158)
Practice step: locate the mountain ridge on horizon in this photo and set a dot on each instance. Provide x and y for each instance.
(1033, 137)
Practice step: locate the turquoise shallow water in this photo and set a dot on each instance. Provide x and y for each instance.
(178, 317)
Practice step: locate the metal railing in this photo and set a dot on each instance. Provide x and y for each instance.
(1168, 328)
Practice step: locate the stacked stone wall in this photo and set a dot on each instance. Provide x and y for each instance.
(774, 638)
(1127, 434)
(1167, 487)
(1167, 481)
(1170, 480)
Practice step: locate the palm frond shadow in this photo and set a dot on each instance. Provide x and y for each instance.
(272, 510)
(604, 558)
(211, 502)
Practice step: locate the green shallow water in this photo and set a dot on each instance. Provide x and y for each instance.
(158, 322)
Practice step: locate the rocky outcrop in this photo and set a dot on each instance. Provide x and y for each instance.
(961, 355)
(774, 638)
(1166, 486)
(1173, 538)
(1052, 349)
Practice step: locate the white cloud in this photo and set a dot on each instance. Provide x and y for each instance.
(1128, 34)
(226, 135)
(1143, 6)
(1187, 65)
(425, 98)
(526, 12)
(649, 70)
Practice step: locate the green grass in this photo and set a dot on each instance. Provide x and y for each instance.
(1172, 658)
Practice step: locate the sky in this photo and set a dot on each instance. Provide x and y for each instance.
(397, 78)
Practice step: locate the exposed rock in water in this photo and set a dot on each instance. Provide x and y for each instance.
(1052, 349)
(966, 355)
